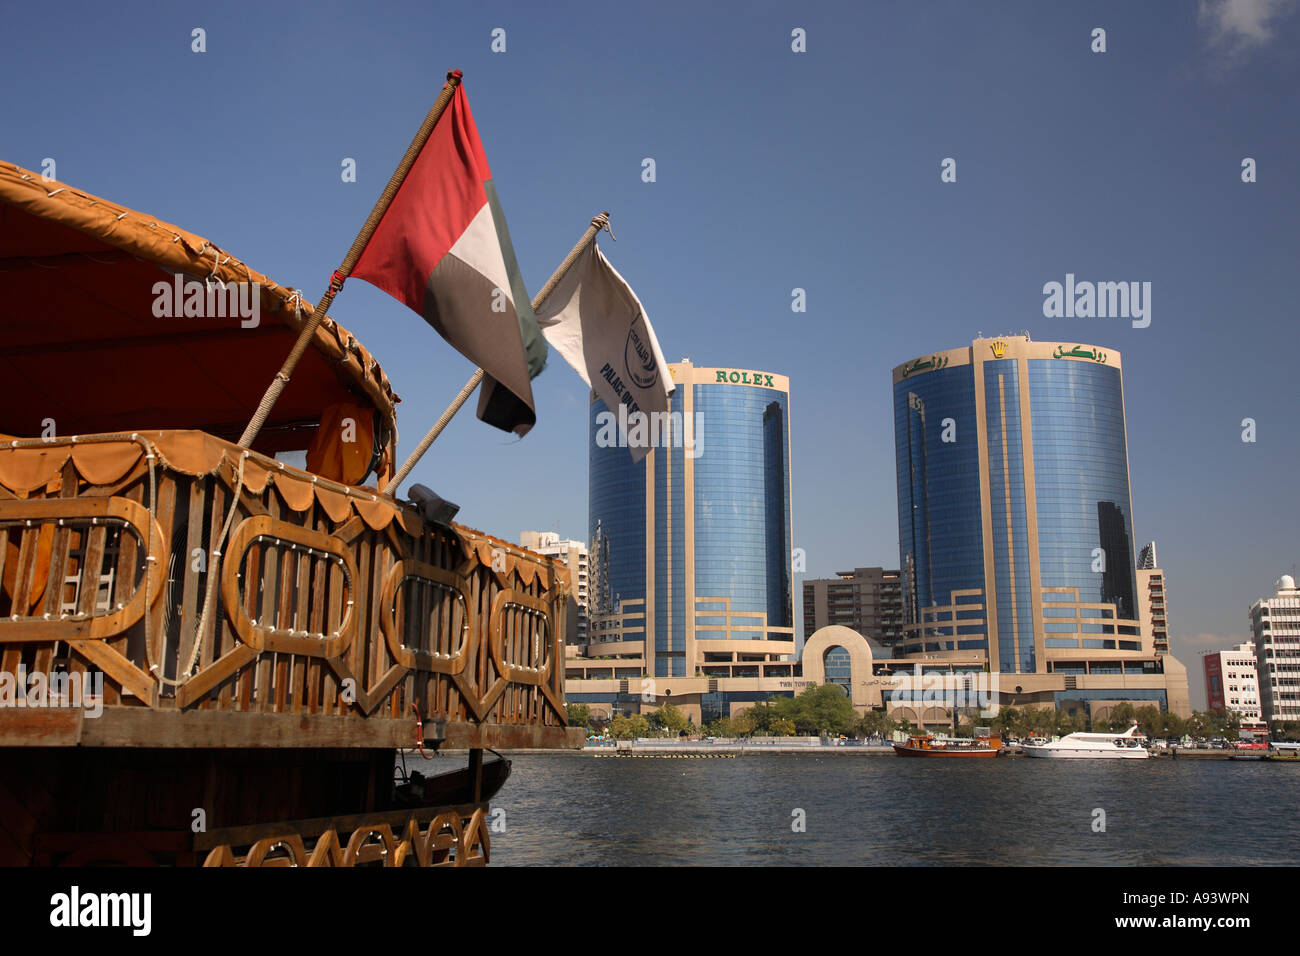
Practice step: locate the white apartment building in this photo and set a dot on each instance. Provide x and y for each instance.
(574, 556)
(1232, 682)
(1275, 624)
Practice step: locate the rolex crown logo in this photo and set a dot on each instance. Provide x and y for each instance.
(999, 348)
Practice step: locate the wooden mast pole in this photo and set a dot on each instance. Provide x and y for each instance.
(305, 336)
(597, 224)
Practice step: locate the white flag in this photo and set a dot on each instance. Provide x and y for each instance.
(594, 319)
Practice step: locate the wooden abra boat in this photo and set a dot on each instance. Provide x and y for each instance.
(928, 745)
(207, 654)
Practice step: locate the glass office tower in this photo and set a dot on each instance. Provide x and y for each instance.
(1014, 512)
(696, 538)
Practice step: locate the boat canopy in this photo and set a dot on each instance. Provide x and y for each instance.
(83, 346)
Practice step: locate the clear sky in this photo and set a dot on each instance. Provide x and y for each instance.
(775, 170)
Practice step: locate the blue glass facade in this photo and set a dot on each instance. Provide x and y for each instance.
(1056, 483)
(742, 501)
(1081, 477)
(616, 508)
(941, 545)
(738, 518)
(1006, 467)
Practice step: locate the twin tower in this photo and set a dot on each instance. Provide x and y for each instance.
(1016, 544)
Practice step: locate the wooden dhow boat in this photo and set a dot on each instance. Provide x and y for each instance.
(212, 656)
(929, 745)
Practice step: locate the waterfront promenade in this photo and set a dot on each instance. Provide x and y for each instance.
(719, 746)
(731, 747)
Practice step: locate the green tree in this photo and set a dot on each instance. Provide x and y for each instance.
(579, 714)
(876, 723)
(1004, 721)
(1232, 725)
(1041, 721)
(1150, 721)
(1063, 724)
(1200, 724)
(1285, 730)
(1122, 717)
(782, 727)
(670, 718)
(760, 717)
(625, 728)
(820, 709)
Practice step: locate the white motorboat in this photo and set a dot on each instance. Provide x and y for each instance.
(1102, 746)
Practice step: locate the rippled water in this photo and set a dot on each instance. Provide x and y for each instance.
(579, 810)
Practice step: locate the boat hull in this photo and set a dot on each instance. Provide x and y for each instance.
(457, 786)
(905, 751)
(1083, 753)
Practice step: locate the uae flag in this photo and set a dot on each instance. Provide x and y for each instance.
(443, 249)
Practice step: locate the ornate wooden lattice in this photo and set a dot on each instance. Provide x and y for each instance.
(454, 837)
(326, 601)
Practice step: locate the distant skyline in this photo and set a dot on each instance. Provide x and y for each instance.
(775, 170)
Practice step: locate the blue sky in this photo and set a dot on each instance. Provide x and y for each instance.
(775, 170)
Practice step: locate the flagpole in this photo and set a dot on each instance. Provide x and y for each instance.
(349, 261)
(597, 224)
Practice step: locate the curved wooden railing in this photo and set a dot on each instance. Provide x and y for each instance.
(336, 615)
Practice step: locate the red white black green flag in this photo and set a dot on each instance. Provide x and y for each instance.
(443, 249)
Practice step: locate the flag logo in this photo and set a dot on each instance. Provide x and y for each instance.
(638, 357)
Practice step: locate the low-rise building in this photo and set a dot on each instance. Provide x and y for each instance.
(1232, 683)
(574, 556)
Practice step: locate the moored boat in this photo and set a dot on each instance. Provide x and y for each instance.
(255, 620)
(1096, 746)
(928, 745)
(1250, 750)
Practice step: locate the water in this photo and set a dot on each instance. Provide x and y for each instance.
(579, 810)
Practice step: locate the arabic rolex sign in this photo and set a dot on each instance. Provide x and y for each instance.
(1081, 352)
(925, 365)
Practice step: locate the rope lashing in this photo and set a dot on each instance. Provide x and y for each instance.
(214, 565)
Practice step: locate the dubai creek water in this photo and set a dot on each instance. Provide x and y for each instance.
(580, 810)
